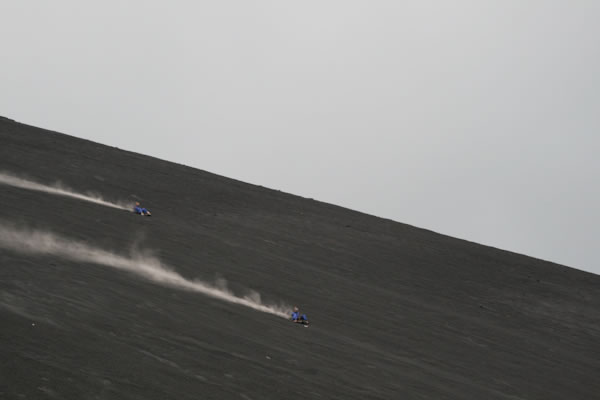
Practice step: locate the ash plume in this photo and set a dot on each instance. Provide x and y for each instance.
(59, 190)
(41, 243)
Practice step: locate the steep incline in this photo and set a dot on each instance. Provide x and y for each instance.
(396, 311)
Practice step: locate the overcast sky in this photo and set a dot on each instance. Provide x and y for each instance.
(477, 119)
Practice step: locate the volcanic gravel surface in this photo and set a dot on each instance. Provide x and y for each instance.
(396, 312)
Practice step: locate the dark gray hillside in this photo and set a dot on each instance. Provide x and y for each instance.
(397, 312)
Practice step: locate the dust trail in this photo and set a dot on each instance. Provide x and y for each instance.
(47, 243)
(58, 189)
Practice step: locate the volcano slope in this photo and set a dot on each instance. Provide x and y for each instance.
(396, 312)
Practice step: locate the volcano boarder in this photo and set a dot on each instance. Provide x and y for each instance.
(138, 209)
(299, 318)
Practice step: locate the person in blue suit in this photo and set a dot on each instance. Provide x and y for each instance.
(299, 318)
(138, 209)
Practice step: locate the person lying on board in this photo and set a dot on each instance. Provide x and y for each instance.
(138, 209)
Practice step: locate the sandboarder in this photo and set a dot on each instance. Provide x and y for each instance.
(138, 209)
(299, 318)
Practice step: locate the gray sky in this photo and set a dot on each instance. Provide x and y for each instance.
(477, 119)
